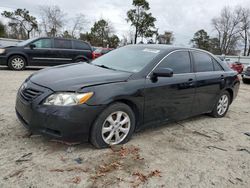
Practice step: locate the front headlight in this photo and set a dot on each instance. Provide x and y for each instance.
(2, 50)
(68, 99)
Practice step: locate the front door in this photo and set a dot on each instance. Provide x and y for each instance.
(170, 98)
(40, 53)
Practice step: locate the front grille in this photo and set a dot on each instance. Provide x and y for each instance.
(29, 94)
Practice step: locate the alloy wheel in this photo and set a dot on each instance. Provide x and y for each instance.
(222, 105)
(116, 128)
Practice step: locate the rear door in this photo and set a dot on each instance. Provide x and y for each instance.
(63, 51)
(171, 98)
(210, 79)
(82, 51)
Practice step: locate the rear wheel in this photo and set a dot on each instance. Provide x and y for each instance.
(222, 105)
(17, 62)
(115, 125)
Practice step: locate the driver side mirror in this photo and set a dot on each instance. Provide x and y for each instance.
(163, 72)
(32, 46)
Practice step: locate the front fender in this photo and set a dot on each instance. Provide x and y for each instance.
(130, 92)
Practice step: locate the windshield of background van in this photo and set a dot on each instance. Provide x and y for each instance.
(129, 59)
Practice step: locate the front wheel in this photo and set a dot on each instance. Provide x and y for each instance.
(17, 62)
(115, 125)
(222, 105)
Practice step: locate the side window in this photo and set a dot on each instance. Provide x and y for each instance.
(61, 43)
(178, 61)
(217, 66)
(203, 62)
(43, 43)
(81, 45)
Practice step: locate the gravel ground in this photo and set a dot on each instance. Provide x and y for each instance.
(199, 152)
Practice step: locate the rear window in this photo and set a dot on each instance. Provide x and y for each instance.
(104, 51)
(203, 62)
(81, 45)
(61, 43)
(217, 66)
(98, 50)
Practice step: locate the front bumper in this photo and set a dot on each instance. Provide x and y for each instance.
(64, 123)
(3, 60)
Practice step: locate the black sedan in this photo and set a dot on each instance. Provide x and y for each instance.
(130, 88)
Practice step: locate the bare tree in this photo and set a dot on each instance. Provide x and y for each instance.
(79, 22)
(166, 38)
(248, 52)
(127, 37)
(227, 27)
(52, 20)
(244, 27)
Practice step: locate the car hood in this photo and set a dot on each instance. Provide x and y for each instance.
(76, 76)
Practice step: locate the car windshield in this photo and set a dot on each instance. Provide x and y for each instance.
(129, 59)
(24, 43)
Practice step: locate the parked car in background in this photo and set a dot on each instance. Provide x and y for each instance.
(45, 52)
(246, 75)
(237, 66)
(101, 51)
(124, 91)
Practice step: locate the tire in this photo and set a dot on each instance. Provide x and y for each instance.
(224, 103)
(17, 62)
(104, 133)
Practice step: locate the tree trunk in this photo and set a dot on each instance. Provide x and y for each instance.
(245, 43)
(136, 35)
(136, 27)
(28, 34)
(248, 53)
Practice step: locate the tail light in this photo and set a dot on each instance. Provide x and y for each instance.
(93, 55)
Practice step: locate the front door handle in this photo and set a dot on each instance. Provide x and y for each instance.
(190, 81)
(222, 77)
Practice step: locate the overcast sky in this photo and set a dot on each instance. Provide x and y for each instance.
(183, 17)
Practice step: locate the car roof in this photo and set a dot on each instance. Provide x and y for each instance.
(159, 46)
(59, 38)
(167, 48)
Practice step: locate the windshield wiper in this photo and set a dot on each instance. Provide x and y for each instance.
(104, 66)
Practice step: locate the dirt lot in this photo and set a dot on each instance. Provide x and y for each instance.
(199, 152)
